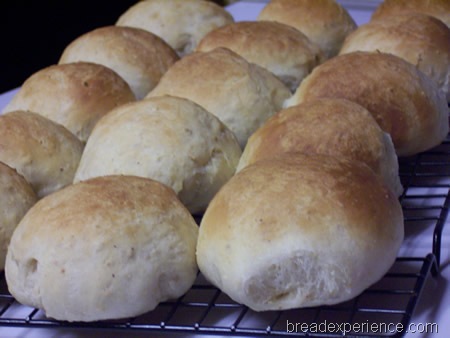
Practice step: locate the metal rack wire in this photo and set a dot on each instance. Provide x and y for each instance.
(206, 310)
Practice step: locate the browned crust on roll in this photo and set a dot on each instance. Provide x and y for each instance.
(328, 126)
(279, 48)
(181, 23)
(405, 103)
(124, 243)
(75, 95)
(299, 230)
(324, 22)
(138, 56)
(16, 198)
(44, 152)
(241, 94)
(440, 9)
(417, 38)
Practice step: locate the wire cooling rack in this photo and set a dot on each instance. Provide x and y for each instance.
(391, 301)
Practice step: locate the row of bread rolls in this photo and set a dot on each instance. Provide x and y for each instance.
(311, 217)
(110, 247)
(111, 89)
(117, 245)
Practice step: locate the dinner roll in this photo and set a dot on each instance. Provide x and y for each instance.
(279, 48)
(138, 56)
(440, 9)
(299, 231)
(325, 22)
(16, 197)
(42, 151)
(335, 127)
(181, 23)
(111, 247)
(169, 139)
(405, 102)
(420, 39)
(74, 95)
(241, 94)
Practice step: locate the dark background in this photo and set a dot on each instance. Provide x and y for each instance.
(33, 34)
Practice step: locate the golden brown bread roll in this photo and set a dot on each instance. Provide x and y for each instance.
(241, 94)
(281, 49)
(42, 151)
(75, 95)
(405, 102)
(138, 56)
(181, 23)
(111, 247)
(16, 197)
(169, 139)
(440, 9)
(325, 22)
(420, 39)
(298, 231)
(334, 127)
